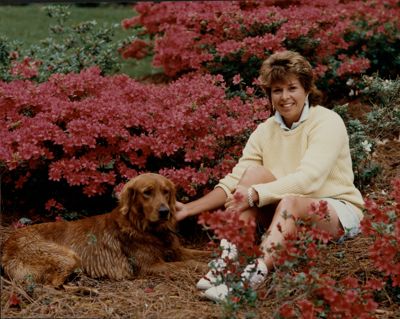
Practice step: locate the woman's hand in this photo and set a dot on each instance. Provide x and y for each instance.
(238, 200)
(181, 211)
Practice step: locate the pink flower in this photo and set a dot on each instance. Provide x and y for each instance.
(236, 79)
(249, 90)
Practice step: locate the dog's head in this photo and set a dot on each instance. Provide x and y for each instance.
(149, 199)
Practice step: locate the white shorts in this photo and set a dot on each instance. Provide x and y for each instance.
(348, 217)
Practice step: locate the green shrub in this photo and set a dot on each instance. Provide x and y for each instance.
(69, 48)
(361, 149)
(8, 49)
(384, 119)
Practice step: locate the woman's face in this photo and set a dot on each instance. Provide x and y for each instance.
(288, 98)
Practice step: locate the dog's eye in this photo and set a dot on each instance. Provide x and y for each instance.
(166, 192)
(147, 192)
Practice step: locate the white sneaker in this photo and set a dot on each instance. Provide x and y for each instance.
(229, 250)
(217, 293)
(255, 273)
(212, 278)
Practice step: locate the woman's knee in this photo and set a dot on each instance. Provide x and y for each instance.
(287, 204)
(297, 206)
(294, 206)
(256, 175)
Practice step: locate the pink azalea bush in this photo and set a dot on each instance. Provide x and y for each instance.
(94, 132)
(304, 290)
(341, 38)
(383, 225)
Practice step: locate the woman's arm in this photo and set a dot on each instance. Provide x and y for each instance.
(213, 200)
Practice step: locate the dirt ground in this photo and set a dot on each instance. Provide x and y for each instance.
(176, 296)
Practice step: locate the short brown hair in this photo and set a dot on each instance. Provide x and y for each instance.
(279, 65)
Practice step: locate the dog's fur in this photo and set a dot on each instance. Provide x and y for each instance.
(136, 238)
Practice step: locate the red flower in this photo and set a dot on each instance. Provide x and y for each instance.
(287, 311)
(14, 300)
(306, 309)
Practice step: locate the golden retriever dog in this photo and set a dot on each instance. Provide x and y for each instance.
(138, 237)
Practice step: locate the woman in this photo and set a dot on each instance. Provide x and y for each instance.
(297, 157)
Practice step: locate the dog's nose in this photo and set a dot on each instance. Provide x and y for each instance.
(163, 212)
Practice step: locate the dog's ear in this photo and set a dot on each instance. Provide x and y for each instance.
(127, 197)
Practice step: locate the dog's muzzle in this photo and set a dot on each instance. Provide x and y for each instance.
(163, 212)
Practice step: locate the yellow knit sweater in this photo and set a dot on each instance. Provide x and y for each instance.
(312, 160)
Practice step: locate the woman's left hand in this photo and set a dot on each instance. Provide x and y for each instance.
(238, 200)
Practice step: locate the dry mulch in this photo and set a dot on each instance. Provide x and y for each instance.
(141, 298)
(173, 297)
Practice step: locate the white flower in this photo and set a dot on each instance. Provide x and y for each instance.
(367, 146)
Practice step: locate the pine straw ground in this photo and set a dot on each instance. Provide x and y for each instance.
(176, 296)
(173, 297)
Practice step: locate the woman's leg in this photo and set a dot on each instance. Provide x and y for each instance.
(296, 206)
(278, 227)
(299, 208)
